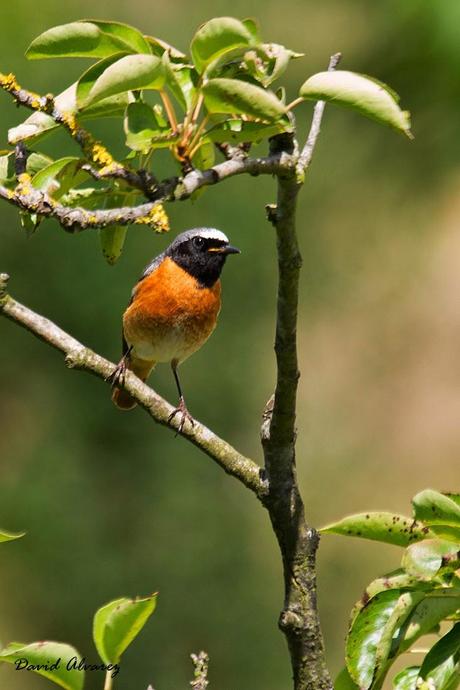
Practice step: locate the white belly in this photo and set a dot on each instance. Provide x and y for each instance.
(169, 346)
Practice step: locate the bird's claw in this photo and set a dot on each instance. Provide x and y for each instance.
(181, 410)
(118, 374)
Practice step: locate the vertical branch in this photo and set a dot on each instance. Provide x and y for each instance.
(307, 151)
(299, 619)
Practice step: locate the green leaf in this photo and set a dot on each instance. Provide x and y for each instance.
(442, 662)
(10, 536)
(239, 97)
(29, 222)
(39, 124)
(262, 63)
(57, 178)
(132, 72)
(36, 162)
(406, 679)
(89, 78)
(77, 39)
(144, 128)
(440, 512)
(397, 579)
(453, 497)
(112, 240)
(126, 33)
(425, 558)
(366, 96)
(440, 604)
(182, 81)
(380, 526)
(117, 624)
(54, 655)
(253, 27)
(344, 682)
(238, 131)
(365, 634)
(6, 167)
(205, 156)
(217, 35)
(406, 604)
(89, 197)
(234, 63)
(159, 47)
(280, 58)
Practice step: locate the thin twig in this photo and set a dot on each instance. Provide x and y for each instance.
(307, 151)
(200, 663)
(80, 357)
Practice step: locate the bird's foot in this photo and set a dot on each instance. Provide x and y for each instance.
(117, 376)
(185, 415)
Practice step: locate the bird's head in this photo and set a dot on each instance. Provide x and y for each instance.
(202, 253)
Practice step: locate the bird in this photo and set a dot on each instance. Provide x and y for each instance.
(173, 310)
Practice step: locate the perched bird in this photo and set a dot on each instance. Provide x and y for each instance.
(173, 310)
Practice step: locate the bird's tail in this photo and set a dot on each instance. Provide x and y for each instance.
(142, 368)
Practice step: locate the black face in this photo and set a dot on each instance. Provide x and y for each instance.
(202, 257)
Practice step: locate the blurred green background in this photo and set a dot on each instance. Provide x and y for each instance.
(114, 505)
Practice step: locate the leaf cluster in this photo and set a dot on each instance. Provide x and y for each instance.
(419, 598)
(220, 97)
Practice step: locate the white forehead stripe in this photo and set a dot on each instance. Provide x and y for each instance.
(211, 234)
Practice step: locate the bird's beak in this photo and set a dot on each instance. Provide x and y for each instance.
(228, 249)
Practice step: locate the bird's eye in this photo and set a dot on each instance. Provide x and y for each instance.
(198, 242)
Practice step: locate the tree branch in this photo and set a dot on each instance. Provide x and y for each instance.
(92, 149)
(299, 619)
(26, 198)
(307, 151)
(77, 356)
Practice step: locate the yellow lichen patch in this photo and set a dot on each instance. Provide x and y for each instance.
(70, 122)
(157, 218)
(100, 155)
(8, 82)
(24, 184)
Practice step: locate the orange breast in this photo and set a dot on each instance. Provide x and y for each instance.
(170, 316)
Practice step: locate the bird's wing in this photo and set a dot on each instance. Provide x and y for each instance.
(152, 266)
(146, 272)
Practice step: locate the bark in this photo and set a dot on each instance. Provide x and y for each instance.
(299, 618)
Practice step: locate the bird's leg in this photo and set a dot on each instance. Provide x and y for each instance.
(118, 374)
(181, 409)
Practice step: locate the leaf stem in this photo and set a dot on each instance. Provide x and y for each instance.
(197, 109)
(293, 104)
(194, 144)
(169, 111)
(108, 683)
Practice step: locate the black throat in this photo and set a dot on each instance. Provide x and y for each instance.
(205, 268)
